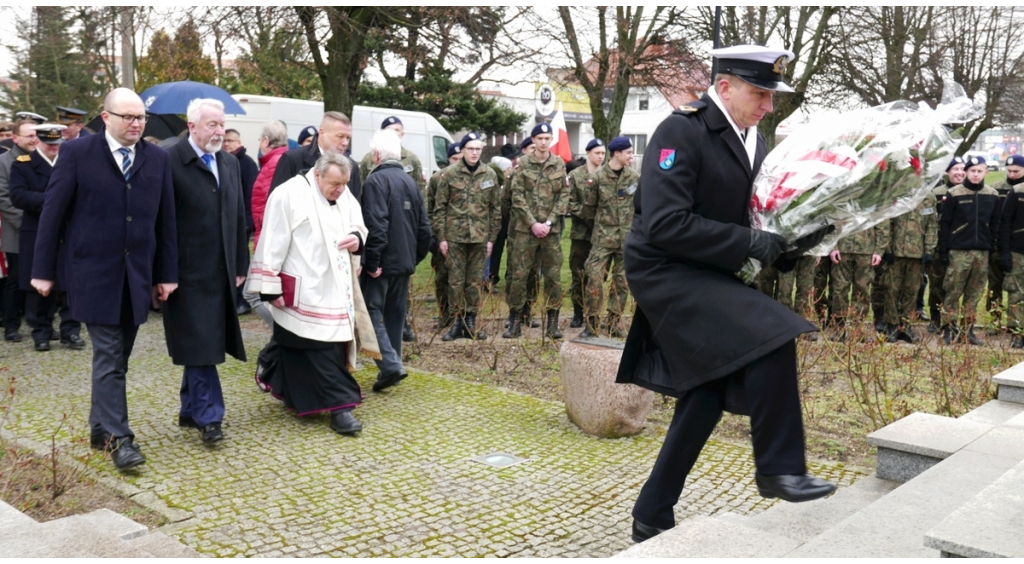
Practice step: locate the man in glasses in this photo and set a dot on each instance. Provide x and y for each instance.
(112, 196)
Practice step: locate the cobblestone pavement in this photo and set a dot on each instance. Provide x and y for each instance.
(281, 486)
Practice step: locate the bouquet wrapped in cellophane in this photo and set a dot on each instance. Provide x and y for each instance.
(853, 171)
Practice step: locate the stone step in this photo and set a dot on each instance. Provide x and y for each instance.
(708, 537)
(162, 546)
(11, 517)
(65, 538)
(1011, 384)
(919, 441)
(995, 412)
(110, 522)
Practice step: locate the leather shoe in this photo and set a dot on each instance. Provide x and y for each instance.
(243, 308)
(125, 454)
(73, 342)
(793, 488)
(14, 337)
(99, 442)
(42, 346)
(643, 532)
(388, 381)
(186, 421)
(343, 422)
(212, 433)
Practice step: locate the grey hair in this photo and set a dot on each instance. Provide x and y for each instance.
(387, 145)
(275, 133)
(335, 116)
(194, 107)
(333, 158)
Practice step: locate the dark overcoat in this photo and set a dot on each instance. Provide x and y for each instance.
(695, 321)
(117, 229)
(29, 179)
(200, 319)
(300, 159)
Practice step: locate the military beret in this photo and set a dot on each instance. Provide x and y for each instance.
(619, 144)
(976, 161)
(393, 120)
(49, 133)
(594, 143)
(956, 160)
(543, 128)
(471, 136)
(69, 115)
(454, 149)
(307, 132)
(1015, 160)
(526, 143)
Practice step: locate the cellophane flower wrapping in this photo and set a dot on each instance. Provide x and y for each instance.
(853, 171)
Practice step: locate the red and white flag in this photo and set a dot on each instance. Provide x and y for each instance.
(560, 137)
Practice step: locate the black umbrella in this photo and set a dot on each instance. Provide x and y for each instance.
(161, 126)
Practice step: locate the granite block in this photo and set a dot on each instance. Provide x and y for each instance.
(993, 412)
(593, 401)
(899, 466)
(707, 537)
(928, 435)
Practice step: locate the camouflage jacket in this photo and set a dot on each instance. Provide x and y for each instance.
(873, 241)
(915, 233)
(579, 182)
(430, 197)
(1004, 188)
(608, 205)
(410, 164)
(539, 193)
(506, 200)
(466, 204)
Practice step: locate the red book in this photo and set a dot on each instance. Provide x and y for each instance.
(290, 289)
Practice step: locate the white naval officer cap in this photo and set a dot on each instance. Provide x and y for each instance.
(756, 64)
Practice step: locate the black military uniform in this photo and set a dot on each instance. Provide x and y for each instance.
(699, 333)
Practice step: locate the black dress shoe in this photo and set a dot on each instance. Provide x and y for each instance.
(42, 346)
(14, 337)
(408, 335)
(643, 532)
(243, 308)
(185, 421)
(125, 454)
(53, 337)
(385, 382)
(343, 422)
(73, 342)
(793, 488)
(212, 433)
(99, 442)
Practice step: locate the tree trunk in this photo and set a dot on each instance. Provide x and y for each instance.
(127, 49)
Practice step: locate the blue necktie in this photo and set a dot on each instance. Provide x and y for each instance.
(126, 162)
(208, 159)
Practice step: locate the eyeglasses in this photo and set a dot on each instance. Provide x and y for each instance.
(129, 119)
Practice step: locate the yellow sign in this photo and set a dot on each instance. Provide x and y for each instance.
(573, 98)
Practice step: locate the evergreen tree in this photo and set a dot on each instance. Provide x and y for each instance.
(174, 60)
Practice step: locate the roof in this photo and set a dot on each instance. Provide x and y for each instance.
(679, 76)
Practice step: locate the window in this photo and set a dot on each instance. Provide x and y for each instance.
(643, 104)
(441, 151)
(639, 142)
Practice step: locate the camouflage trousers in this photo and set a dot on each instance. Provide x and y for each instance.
(996, 279)
(528, 254)
(465, 276)
(766, 281)
(604, 261)
(852, 276)
(902, 280)
(966, 278)
(437, 262)
(936, 294)
(579, 250)
(531, 282)
(1014, 286)
(878, 292)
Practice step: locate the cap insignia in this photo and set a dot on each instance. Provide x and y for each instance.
(780, 65)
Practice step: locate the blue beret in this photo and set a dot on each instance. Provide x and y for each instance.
(594, 143)
(976, 161)
(956, 160)
(390, 121)
(526, 143)
(543, 128)
(619, 144)
(471, 136)
(306, 133)
(454, 149)
(1015, 160)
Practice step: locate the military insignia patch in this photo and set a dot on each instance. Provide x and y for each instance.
(486, 184)
(631, 189)
(780, 65)
(24, 158)
(667, 158)
(408, 168)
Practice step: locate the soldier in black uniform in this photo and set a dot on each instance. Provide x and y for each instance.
(699, 333)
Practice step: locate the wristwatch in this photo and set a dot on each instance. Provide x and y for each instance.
(548, 223)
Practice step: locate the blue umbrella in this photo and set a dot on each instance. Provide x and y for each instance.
(174, 97)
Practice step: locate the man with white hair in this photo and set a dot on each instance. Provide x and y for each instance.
(398, 238)
(200, 319)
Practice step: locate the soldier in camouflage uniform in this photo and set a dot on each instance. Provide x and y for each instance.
(608, 207)
(966, 237)
(444, 315)
(996, 275)
(410, 162)
(913, 236)
(853, 262)
(533, 280)
(540, 197)
(1011, 248)
(955, 174)
(579, 248)
(468, 216)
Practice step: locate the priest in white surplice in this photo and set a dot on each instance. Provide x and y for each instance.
(305, 265)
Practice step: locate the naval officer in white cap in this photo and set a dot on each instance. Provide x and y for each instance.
(699, 333)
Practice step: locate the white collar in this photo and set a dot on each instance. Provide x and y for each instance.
(115, 145)
(751, 143)
(45, 158)
(198, 150)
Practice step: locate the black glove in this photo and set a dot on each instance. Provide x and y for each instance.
(889, 258)
(926, 259)
(1006, 262)
(808, 242)
(765, 247)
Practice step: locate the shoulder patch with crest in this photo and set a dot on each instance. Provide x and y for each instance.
(24, 158)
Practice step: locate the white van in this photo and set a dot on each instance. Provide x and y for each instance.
(424, 135)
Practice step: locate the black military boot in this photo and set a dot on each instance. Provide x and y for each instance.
(590, 327)
(444, 318)
(457, 331)
(528, 317)
(892, 333)
(907, 333)
(577, 317)
(1017, 342)
(552, 330)
(408, 336)
(949, 335)
(515, 328)
(973, 339)
(470, 328)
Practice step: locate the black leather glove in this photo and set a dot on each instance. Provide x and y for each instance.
(1006, 262)
(926, 259)
(765, 247)
(889, 258)
(808, 242)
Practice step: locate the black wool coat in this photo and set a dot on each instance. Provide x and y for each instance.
(397, 228)
(200, 321)
(28, 192)
(695, 321)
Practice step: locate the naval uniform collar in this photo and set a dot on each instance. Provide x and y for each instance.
(747, 137)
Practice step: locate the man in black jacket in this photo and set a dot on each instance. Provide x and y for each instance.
(398, 238)
(335, 135)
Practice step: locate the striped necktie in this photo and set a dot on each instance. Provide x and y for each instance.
(126, 162)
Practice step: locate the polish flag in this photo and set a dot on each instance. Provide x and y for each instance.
(560, 136)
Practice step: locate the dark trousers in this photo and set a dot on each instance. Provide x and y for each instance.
(39, 314)
(776, 427)
(201, 396)
(386, 300)
(14, 299)
(498, 249)
(111, 347)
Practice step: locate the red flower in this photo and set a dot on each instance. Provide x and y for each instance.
(916, 163)
(882, 166)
